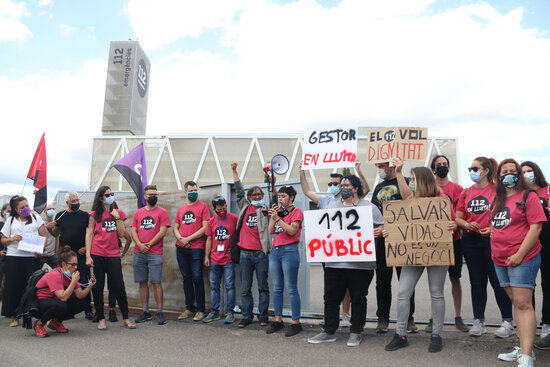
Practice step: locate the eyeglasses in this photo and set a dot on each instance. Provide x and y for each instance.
(475, 169)
(73, 264)
(333, 184)
(218, 198)
(111, 194)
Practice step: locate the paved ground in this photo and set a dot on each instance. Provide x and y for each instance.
(195, 344)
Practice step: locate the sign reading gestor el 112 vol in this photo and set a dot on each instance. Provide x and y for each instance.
(340, 235)
(418, 234)
(330, 148)
(406, 143)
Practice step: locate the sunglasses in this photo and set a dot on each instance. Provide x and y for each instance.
(111, 194)
(333, 184)
(475, 169)
(219, 198)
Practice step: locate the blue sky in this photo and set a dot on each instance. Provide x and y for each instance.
(468, 69)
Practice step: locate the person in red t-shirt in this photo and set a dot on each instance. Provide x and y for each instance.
(284, 259)
(473, 215)
(440, 168)
(516, 226)
(149, 226)
(220, 232)
(103, 253)
(189, 229)
(59, 294)
(536, 181)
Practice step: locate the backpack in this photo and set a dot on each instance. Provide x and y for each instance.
(28, 306)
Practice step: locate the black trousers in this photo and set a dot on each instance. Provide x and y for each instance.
(545, 273)
(54, 308)
(384, 275)
(18, 270)
(337, 281)
(112, 267)
(84, 278)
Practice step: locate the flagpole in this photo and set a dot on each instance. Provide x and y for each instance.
(23, 189)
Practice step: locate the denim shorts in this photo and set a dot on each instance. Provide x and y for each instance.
(147, 267)
(521, 276)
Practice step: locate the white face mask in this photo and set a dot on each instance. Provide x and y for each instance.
(530, 176)
(381, 173)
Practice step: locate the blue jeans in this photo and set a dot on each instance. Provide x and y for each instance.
(190, 261)
(284, 262)
(520, 276)
(228, 272)
(250, 261)
(477, 252)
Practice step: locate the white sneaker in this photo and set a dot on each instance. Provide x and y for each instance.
(525, 361)
(545, 331)
(513, 356)
(478, 328)
(354, 340)
(505, 330)
(345, 320)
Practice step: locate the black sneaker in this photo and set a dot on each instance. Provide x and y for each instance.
(160, 318)
(275, 326)
(459, 324)
(145, 316)
(293, 329)
(89, 315)
(436, 343)
(264, 322)
(95, 318)
(245, 323)
(397, 342)
(112, 316)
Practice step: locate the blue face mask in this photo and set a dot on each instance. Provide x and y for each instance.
(109, 200)
(412, 186)
(530, 176)
(7, 216)
(334, 190)
(475, 176)
(67, 274)
(50, 213)
(257, 203)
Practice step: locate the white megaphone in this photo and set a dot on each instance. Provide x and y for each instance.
(279, 165)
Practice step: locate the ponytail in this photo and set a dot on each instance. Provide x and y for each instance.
(491, 164)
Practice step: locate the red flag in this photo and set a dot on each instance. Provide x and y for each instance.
(37, 173)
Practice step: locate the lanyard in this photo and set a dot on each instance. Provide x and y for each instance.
(220, 229)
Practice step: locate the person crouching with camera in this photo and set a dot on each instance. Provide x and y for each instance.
(59, 294)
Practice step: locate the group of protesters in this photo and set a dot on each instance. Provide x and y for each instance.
(499, 227)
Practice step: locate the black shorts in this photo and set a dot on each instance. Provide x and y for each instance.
(455, 271)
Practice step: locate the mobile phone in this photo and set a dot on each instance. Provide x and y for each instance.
(265, 212)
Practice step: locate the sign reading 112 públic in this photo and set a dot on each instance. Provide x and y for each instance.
(329, 148)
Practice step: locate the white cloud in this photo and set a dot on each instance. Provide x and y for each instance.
(67, 107)
(42, 3)
(11, 27)
(66, 29)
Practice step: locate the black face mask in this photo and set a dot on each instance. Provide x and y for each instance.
(152, 200)
(442, 171)
(75, 207)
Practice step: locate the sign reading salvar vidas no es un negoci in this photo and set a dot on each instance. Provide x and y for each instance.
(418, 233)
(331, 148)
(340, 235)
(406, 143)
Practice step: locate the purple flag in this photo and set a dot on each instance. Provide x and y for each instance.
(132, 168)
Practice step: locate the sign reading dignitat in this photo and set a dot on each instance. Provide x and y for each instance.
(71, 225)
(149, 227)
(189, 229)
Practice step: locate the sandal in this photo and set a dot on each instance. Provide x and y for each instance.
(129, 324)
(102, 326)
(14, 322)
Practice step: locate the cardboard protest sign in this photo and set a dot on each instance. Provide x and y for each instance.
(418, 234)
(406, 143)
(329, 148)
(343, 234)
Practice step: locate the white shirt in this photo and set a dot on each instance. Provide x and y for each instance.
(10, 229)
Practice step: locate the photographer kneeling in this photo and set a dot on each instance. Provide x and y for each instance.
(59, 294)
